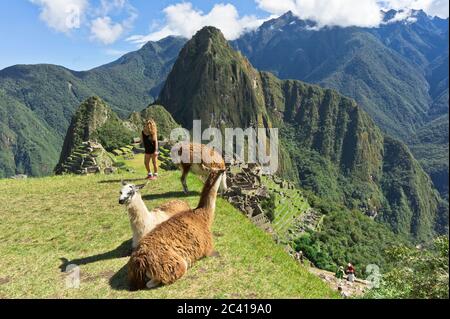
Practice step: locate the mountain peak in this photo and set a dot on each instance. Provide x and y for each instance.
(209, 31)
(212, 82)
(287, 15)
(208, 35)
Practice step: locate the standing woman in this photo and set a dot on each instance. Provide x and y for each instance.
(150, 141)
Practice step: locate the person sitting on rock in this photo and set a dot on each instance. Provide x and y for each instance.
(150, 141)
(350, 273)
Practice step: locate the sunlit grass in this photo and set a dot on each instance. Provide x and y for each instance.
(47, 220)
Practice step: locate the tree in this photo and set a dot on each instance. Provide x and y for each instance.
(417, 273)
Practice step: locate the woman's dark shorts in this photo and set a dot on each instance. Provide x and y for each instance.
(149, 145)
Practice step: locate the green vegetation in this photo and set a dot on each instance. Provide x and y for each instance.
(27, 144)
(77, 218)
(430, 146)
(284, 209)
(37, 102)
(416, 273)
(348, 236)
(163, 119)
(269, 206)
(113, 134)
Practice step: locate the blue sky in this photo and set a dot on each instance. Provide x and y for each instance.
(82, 34)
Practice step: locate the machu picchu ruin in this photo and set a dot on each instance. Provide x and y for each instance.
(249, 189)
(87, 158)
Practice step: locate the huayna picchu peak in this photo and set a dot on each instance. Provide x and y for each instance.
(212, 82)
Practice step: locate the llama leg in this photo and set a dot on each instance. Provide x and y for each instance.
(213, 253)
(223, 184)
(152, 284)
(210, 252)
(147, 162)
(134, 243)
(178, 267)
(185, 171)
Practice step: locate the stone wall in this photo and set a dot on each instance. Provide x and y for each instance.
(246, 192)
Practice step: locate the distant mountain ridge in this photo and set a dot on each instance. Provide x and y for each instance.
(397, 72)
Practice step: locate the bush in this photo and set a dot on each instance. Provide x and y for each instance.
(417, 273)
(348, 236)
(113, 136)
(269, 206)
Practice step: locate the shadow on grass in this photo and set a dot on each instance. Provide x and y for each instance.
(110, 181)
(119, 280)
(169, 195)
(124, 250)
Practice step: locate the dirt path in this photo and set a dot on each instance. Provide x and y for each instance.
(346, 288)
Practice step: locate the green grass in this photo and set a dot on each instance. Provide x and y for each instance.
(78, 218)
(288, 207)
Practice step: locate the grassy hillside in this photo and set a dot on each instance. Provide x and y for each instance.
(27, 144)
(79, 219)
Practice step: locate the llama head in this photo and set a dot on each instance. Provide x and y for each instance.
(128, 191)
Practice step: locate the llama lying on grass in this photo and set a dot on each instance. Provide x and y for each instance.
(164, 254)
(209, 160)
(141, 219)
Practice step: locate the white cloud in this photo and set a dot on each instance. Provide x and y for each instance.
(105, 30)
(364, 13)
(277, 7)
(401, 16)
(439, 8)
(67, 15)
(183, 20)
(62, 15)
(108, 6)
(432, 7)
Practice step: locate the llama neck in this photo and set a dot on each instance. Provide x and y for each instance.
(209, 193)
(137, 210)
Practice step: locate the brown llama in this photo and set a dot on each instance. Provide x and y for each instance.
(164, 255)
(210, 160)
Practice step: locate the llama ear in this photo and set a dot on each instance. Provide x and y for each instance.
(141, 186)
